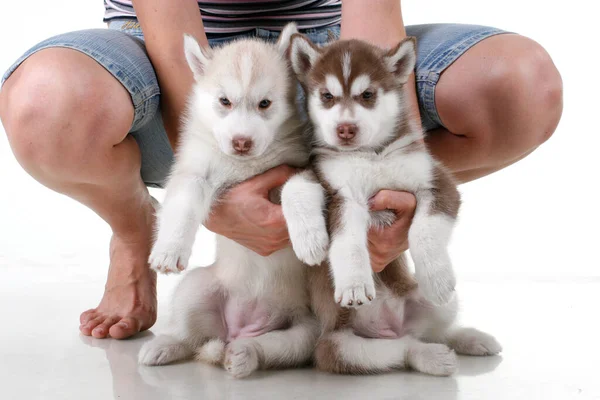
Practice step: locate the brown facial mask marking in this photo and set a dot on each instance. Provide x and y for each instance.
(365, 60)
(369, 102)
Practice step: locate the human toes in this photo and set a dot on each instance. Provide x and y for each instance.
(87, 316)
(101, 331)
(89, 326)
(126, 327)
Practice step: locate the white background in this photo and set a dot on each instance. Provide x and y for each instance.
(525, 251)
(537, 219)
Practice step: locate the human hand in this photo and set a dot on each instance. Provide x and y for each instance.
(245, 214)
(386, 244)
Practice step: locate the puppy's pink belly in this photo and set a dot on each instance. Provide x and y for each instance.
(250, 319)
(383, 323)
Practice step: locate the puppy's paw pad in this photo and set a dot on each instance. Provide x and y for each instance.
(473, 342)
(355, 292)
(240, 360)
(168, 260)
(435, 359)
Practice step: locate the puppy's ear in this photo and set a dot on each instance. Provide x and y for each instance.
(303, 54)
(196, 56)
(283, 43)
(401, 59)
(331, 37)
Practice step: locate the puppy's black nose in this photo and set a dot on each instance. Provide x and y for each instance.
(241, 144)
(347, 131)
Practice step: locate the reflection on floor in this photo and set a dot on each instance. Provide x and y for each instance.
(546, 329)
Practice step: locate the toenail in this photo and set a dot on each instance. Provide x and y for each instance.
(123, 325)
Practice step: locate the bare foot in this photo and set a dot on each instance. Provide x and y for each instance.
(129, 302)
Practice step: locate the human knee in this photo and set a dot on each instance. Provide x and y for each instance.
(524, 95)
(55, 114)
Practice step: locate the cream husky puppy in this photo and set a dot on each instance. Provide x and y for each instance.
(365, 141)
(245, 311)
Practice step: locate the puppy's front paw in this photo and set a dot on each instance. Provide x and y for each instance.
(168, 259)
(355, 290)
(310, 247)
(437, 286)
(241, 359)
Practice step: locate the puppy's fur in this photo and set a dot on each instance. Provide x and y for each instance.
(245, 311)
(365, 141)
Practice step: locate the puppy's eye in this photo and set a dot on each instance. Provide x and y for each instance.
(225, 101)
(367, 94)
(326, 96)
(263, 105)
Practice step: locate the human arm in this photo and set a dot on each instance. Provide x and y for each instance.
(164, 22)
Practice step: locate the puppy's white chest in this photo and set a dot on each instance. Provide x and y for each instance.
(360, 177)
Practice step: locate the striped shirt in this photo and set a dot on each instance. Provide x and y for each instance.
(229, 16)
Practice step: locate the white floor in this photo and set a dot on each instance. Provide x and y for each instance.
(547, 330)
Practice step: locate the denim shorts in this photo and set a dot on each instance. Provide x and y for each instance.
(121, 51)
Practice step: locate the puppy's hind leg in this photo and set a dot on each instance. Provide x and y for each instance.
(343, 352)
(275, 349)
(473, 342)
(441, 328)
(196, 321)
(467, 341)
